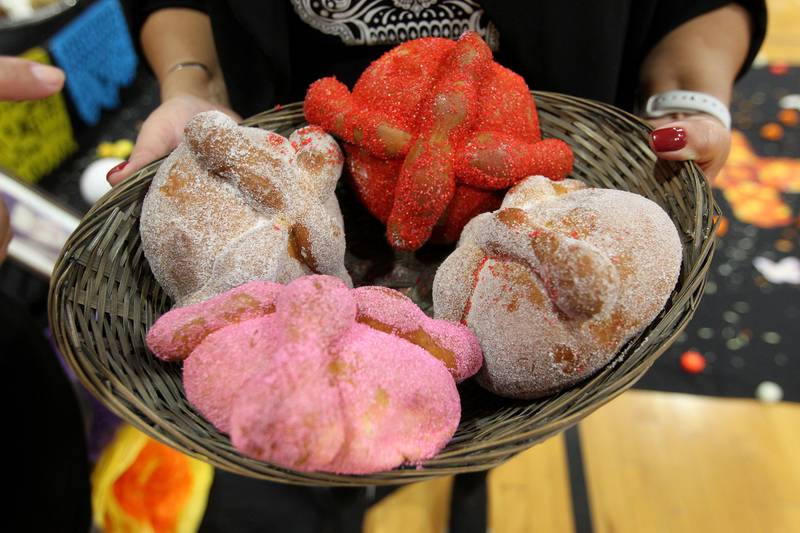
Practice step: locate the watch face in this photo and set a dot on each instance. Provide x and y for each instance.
(40, 226)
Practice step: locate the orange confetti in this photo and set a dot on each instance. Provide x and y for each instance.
(789, 117)
(784, 245)
(693, 362)
(722, 225)
(779, 69)
(772, 131)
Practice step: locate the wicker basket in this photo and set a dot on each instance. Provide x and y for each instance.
(103, 298)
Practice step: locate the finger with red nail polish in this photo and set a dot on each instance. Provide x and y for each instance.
(669, 139)
(699, 138)
(115, 170)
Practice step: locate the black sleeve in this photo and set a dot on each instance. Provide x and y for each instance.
(758, 28)
(43, 411)
(672, 13)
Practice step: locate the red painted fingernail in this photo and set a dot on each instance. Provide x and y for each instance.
(669, 139)
(117, 169)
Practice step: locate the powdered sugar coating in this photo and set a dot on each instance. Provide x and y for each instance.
(557, 280)
(232, 205)
(176, 334)
(450, 342)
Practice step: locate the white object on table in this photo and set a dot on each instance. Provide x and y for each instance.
(93, 180)
(787, 270)
(769, 392)
(40, 226)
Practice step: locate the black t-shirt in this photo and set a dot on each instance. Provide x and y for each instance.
(50, 491)
(271, 51)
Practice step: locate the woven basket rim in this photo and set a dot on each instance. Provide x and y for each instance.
(481, 454)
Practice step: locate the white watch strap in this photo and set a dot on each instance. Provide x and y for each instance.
(668, 102)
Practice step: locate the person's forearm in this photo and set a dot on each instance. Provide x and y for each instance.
(173, 36)
(704, 54)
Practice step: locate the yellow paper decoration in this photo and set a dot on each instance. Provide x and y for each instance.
(35, 135)
(142, 486)
(121, 149)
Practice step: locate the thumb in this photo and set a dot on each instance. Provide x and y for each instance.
(699, 138)
(155, 140)
(21, 79)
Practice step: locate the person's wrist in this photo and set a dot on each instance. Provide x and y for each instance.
(682, 102)
(197, 82)
(715, 82)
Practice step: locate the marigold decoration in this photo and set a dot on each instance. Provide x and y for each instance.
(142, 486)
(752, 185)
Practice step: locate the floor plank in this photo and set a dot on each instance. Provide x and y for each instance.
(673, 462)
(531, 492)
(422, 507)
(783, 38)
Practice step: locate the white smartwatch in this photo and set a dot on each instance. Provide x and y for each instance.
(669, 102)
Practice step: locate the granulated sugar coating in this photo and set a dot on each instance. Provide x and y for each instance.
(556, 281)
(177, 333)
(371, 402)
(223, 362)
(340, 396)
(326, 377)
(452, 343)
(232, 205)
(433, 120)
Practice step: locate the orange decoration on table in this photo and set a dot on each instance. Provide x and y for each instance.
(779, 68)
(722, 225)
(772, 131)
(753, 185)
(693, 362)
(789, 117)
(155, 487)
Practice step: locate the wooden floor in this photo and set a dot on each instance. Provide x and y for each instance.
(653, 462)
(783, 36)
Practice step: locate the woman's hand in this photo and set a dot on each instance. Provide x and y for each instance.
(699, 138)
(703, 54)
(163, 131)
(179, 46)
